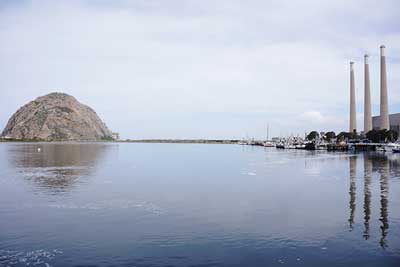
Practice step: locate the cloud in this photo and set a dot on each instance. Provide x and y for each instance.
(313, 117)
(130, 60)
(317, 121)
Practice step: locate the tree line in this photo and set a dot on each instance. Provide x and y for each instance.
(375, 136)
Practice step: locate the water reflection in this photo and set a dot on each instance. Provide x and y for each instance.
(367, 195)
(56, 167)
(352, 191)
(384, 203)
(192, 206)
(373, 163)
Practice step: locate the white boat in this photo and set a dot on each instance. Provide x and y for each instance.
(280, 145)
(389, 147)
(268, 144)
(321, 147)
(380, 149)
(394, 147)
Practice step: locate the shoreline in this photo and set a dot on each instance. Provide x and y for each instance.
(160, 141)
(182, 141)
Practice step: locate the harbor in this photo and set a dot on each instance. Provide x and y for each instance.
(199, 133)
(356, 145)
(380, 133)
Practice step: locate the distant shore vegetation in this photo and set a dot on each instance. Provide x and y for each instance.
(375, 136)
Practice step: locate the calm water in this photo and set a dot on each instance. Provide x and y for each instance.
(196, 205)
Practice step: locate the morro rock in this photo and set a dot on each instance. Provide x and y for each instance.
(56, 116)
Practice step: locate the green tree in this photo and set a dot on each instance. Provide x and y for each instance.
(391, 136)
(373, 136)
(377, 136)
(354, 135)
(330, 135)
(343, 136)
(312, 135)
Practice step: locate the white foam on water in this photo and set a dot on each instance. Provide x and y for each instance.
(114, 204)
(276, 161)
(312, 171)
(48, 172)
(38, 257)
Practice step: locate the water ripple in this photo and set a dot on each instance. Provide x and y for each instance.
(114, 204)
(38, 257)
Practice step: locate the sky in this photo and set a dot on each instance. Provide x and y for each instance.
(200, 68)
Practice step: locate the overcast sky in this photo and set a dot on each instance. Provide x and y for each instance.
(199, 68)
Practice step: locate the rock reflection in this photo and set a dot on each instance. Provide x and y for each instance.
(56, 167)
(352, 191)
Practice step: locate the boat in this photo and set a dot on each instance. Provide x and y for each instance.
(394, 146)
(300, 146)
(396, 150)
(380, 148)
(280, 146)
(321, 147)
(268, 144)
(342, 146)
(251, 142)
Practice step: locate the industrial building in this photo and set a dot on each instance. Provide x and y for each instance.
(394, 121)
(384, 120)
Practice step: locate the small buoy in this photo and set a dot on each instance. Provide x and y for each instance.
(38, 149)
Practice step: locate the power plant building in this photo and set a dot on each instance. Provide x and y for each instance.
(394, 121)
(384, 120)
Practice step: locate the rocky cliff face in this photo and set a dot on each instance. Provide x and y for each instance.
(56, 116)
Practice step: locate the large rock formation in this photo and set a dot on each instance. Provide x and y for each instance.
(56, 116)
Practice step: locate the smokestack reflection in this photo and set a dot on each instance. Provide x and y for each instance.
(353, 123)
(367, 195)
(352, 191)
(380, 165)
(384, 187)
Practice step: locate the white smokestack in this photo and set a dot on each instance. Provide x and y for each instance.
(353, 126)
(384, 110)
(367, 98)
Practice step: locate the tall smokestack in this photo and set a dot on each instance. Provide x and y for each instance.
(384, 116)
(367, 98)
(352, 100)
